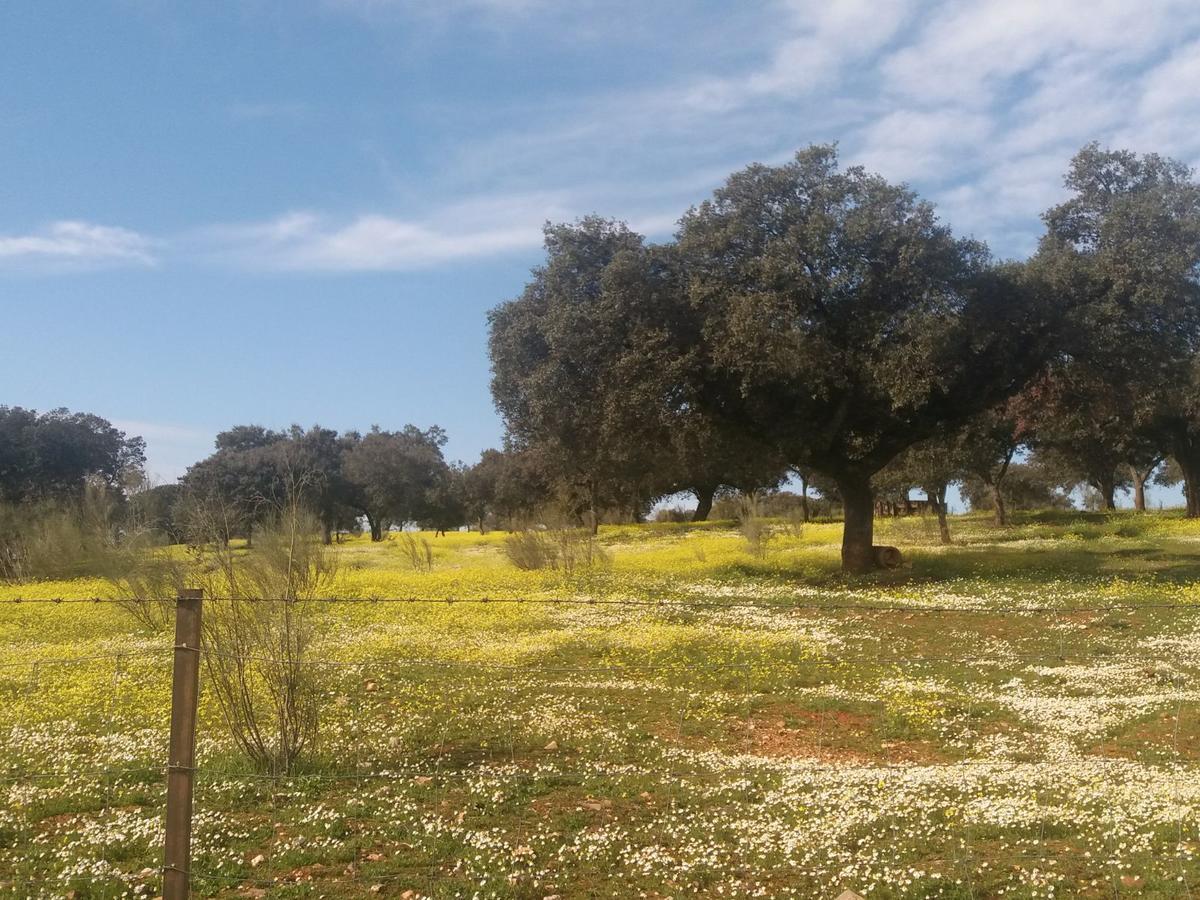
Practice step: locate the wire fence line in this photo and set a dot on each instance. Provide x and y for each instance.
(662, 603)
(492, 766)
(536, 668)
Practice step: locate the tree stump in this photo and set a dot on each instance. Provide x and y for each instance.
(887, 557)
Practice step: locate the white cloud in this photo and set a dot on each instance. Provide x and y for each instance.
(912, 144)
(77, 244)
(968, 48)
(476, 228)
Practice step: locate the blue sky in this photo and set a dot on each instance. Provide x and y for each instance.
(284, 211)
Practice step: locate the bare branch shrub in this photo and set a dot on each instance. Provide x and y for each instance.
(531, 550)
(566, 549)
(417, 550)
(755, 529)
(256, 637)
(578, 550)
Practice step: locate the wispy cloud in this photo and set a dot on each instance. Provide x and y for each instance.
(73, 244)
(472, 229)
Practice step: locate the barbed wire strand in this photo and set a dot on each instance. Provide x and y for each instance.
(807, 606)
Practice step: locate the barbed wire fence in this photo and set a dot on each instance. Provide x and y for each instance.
(181, 772)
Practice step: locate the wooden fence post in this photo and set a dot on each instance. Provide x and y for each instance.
(181, 758)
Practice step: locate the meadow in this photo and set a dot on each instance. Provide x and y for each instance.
(1014, 715)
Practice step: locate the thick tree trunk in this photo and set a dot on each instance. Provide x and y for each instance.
(998, 502)
(1191, 485)
(376, 526)
(1139, 492)
(1108, 491)
(938, 497)
(1140, 477)
(858, 531)
(704, 503)
(804, 498)
(592, 514)
(326, 534)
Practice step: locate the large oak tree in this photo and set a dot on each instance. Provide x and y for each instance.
(845, 323)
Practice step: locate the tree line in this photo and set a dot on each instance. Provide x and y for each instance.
(807, 321)
(821, 320)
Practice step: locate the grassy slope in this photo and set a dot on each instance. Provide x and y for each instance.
(795, 747)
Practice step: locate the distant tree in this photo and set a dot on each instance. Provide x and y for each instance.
(933, 466)
(985, 449)
(53, 455)
(479, 484)
(844, 323)
(1027, 486)
(1122, 253)
(1086, 430)
(319, 453)
(575, 367)
(524, 486)
(446, 506)
(159, 509)
(1177, 421)
(391, 474)
(236, 488)
(707, 456)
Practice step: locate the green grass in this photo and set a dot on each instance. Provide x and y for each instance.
(969, 727)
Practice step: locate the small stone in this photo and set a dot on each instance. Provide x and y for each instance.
(372, 686)
(849, 895)
(257, 861)
(553, 745)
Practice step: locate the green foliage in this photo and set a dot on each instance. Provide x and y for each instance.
(51, 456)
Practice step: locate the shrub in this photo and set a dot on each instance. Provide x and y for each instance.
(673, 514)
(567, 549)
(417, 550)
(755, 529)
(531, 550)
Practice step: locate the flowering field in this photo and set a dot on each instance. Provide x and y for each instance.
(1015, 716)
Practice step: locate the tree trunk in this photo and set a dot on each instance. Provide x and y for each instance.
(858, 530)
(1191, 484)
(704, 503)
(1140, 477)
(804, 498)
(1108, 491)
(376, 526)
(595, 519)
(326, 534)
(938, 497)
(1001, 510)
